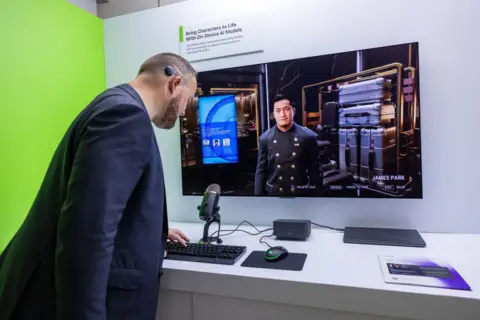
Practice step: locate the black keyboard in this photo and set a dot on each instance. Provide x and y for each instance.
(206, 253)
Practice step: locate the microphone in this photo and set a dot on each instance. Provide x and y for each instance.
(209, 211)
(209, 206)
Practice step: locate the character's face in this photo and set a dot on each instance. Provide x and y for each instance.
(177, 96)
(283, 113)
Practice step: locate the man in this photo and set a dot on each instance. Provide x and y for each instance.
(92, 244)
(288, 155)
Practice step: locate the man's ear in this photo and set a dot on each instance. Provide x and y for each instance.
(293, 111)
(173, 84)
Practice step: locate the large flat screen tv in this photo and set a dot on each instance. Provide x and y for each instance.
(337, 125)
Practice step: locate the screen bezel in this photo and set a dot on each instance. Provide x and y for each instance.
(306, 57)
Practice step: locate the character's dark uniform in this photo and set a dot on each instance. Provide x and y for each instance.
(288, 163)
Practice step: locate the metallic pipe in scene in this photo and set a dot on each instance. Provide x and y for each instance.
(320, 106)
(261, 103)
(359, 61)
(256, 120)
(267, 106)
(399, 112)
(410, 55)
(381, 74)
(304, 113)
(396, 65)
(414, 113)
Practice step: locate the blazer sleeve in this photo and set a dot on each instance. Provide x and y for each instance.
(110, 157)
(261, 171)
(313, 165)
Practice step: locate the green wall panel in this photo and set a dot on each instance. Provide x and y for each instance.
(52, 65)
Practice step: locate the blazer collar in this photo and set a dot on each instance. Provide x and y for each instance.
(292, 129)
(132, 92)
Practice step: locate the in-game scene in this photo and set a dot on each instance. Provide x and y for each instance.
(337, 125)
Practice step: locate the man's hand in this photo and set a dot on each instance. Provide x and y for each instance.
(175, 235)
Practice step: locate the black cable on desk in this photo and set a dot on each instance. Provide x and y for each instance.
(258, 231)
(265, 242)
(219, 231)
(327, 227)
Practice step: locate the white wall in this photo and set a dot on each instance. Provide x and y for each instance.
(88, 5)
(448, 35)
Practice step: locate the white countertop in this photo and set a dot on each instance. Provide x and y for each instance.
(336, 276)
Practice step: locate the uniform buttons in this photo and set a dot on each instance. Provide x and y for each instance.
(292, 178)
(294, 154)
(274, 141)
(292, 189)
(278, 166)
(277, 155)
(281, 189)
(296, 139)
(293, 166)
(281, 178)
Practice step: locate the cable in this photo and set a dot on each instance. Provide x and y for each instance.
(245, 231)
(258, 231)
(218, 230)
(237, 229)
(265, 242)
(327, 227)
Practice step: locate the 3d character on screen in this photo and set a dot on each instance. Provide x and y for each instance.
(287, 156)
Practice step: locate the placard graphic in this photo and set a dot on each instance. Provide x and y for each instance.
(422, 271)
(219, 38)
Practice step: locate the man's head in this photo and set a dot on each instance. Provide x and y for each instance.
(167, 82)
(283, 111)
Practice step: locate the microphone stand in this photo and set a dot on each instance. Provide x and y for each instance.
(214, 219)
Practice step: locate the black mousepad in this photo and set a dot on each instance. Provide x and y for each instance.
(292, 262)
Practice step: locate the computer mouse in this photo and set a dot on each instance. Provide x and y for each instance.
(276, 254)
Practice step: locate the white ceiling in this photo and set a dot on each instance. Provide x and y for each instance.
(112, 8)
(88, 5)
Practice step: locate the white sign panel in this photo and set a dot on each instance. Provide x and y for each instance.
(220, 38)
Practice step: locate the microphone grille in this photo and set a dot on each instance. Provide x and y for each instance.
(214, 188)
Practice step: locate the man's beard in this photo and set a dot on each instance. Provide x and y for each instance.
(169, 118)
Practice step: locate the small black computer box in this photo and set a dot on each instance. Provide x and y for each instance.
(287, 229)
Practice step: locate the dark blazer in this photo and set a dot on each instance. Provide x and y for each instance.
(91, 246)
(287, 162)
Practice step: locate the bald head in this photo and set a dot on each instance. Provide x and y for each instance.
(166, 83)
(160, 64)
